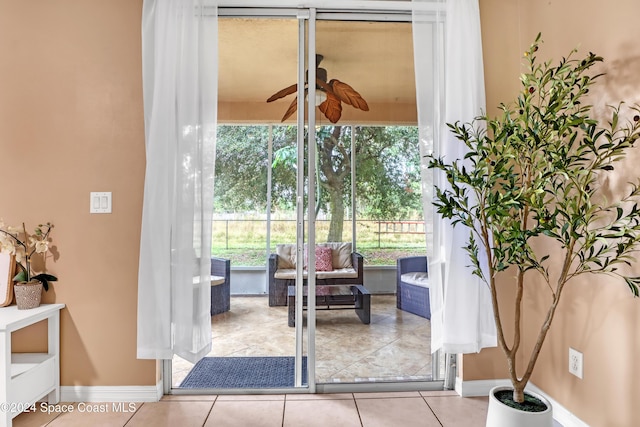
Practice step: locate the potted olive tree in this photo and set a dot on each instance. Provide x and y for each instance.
(529, 192)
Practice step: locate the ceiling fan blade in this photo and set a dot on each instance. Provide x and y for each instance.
(324, 85)
(284, 92)
(292, 109)
(331, 108)
(348, 95)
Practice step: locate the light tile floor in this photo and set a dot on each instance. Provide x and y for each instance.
(395, 334)
(395, 346)
(406, 409)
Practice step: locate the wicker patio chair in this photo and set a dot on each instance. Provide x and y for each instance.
(220, 285)
(412, 293)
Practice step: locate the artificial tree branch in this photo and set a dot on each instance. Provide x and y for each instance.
(562, 281)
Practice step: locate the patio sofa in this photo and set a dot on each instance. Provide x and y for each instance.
(412, 281)
(345, 268)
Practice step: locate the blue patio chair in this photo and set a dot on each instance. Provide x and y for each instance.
(412, 287)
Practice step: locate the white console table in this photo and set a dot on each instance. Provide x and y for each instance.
(26, 378)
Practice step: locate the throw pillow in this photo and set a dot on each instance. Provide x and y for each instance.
(324, 259)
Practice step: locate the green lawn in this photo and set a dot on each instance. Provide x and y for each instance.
(244, 241)
(257, 257)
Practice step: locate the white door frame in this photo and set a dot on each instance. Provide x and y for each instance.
(307, 15)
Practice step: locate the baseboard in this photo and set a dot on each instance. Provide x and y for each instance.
(482, 388)
(152, 393)
(479, 387)
(560, 413)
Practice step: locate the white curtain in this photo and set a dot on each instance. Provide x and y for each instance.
(450, 87)
(179, 48)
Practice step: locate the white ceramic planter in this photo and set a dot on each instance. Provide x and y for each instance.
(501, 415)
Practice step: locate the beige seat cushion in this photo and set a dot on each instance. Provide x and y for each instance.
(215, 280)
(286, 256)
(290, 273)
(337, 274)
(416, 278)
(287, 273)
(340, 255)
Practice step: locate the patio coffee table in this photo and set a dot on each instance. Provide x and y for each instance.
(335, 297)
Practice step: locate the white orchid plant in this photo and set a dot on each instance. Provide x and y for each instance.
(16, 241)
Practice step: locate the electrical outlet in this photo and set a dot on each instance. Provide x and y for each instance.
(575, 362)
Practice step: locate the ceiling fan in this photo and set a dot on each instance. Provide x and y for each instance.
(331, 94)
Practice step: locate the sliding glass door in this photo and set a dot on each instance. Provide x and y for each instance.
(368, 178)
(318, 148)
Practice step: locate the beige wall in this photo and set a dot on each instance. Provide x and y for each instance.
(598, 315)
(71, 122)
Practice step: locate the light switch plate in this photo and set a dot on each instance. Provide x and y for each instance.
(100, 202)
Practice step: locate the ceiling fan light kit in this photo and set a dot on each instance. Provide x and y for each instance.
(328, 96)
(321, 96)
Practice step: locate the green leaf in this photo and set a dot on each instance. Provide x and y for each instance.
(633, 285)
(45, 279)
(45, 276)
(20, 277)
